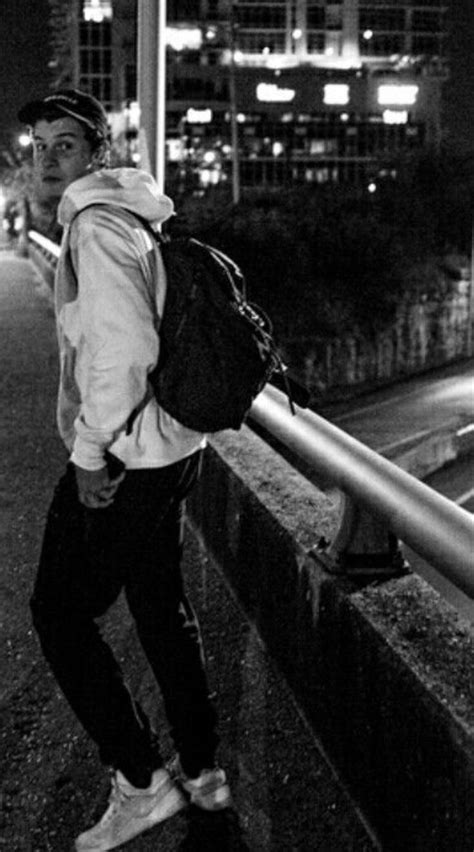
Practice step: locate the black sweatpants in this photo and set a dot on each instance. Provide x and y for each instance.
(88, 557)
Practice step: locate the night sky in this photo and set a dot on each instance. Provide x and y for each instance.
(459, 91)
(24, 55)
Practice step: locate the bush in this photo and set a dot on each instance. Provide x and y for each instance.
(324, 260)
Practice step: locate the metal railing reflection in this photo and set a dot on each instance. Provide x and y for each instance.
(46, 245)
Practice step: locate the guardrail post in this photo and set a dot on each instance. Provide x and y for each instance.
(363, 546)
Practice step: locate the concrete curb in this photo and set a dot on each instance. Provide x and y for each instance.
(383, 672)
(427, 453)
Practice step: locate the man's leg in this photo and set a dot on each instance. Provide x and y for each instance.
(166, 624)
(78, 579)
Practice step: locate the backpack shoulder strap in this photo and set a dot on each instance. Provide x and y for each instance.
(116, 207)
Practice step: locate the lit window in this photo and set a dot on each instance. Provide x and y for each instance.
(174, 150)
(271, 93)
(199, 116)
(395, 116)
(393, 95)
(317, 146)
(184, 38)
(97, 10)
(336, 93)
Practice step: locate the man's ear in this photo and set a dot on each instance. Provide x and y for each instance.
(100, 158)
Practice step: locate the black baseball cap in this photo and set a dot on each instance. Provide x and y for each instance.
(78, 105)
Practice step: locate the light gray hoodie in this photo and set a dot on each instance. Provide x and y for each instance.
(109, 294)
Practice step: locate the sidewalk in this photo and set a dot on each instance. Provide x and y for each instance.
(286, 794)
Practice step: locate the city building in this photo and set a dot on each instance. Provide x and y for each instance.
(94, 49)
(285, 91)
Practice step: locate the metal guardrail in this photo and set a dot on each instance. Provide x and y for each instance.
(48, 247)
(382, 500)
(399, 504)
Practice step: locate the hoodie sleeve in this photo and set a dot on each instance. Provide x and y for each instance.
(118, 343)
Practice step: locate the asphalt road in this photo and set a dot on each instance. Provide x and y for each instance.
(410, 409)
(456, 481)
(287, 797)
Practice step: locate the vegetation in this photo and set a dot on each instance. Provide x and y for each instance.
(327, 259)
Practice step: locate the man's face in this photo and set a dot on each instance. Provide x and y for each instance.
(61, 154)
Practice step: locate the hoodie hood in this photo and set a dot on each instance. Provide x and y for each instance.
(131, 189)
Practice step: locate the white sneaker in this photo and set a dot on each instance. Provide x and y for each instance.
(209, 791)
(132, 811)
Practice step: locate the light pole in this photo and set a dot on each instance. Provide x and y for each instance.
(152, 86)
(234, 130)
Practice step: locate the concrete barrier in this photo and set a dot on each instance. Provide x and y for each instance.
(429, 452)
(382, 670)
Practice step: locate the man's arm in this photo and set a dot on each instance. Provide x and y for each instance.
(118, 346)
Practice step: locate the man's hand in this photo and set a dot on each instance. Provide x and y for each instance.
(95, 488)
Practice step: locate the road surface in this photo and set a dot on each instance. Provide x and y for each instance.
(410, 409)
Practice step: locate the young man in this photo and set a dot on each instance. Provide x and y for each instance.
(116, 517)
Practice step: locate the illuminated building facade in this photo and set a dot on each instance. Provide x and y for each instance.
(325, 90)
(312, 90)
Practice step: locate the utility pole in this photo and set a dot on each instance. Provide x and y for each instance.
(152, 86)
(234, 130)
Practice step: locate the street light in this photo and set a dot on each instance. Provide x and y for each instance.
(24, 140)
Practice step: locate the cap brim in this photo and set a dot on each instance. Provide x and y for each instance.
(33, 111)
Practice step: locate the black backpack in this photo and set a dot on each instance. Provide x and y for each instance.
(216, 349)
